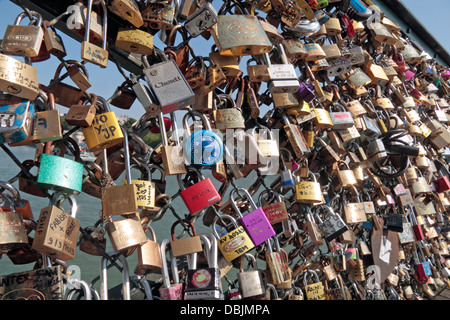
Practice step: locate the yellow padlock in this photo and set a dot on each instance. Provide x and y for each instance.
(105, 130)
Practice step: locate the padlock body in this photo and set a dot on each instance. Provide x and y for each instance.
(60, 174)
(200, 196)
(202, 284)
(257, 226)
(104, 132)
(16, 118)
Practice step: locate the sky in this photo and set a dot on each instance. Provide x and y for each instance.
(105, 81)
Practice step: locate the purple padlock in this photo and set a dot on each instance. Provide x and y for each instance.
(307, 91)
(255, 223)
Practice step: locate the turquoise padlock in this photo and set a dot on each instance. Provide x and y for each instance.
(60, 174)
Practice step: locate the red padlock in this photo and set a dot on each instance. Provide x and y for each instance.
(418, 232)
(443, 183)
(200, 195)
(167, 125)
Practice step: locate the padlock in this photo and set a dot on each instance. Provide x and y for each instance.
(251, 282)
(313, 291)
(134, 40)
(89, 51)
(81, 114)
(235, 243)
(172, 155)
(204, 283)
(122, 199)
(165, 77)
(53, 42)
(294, 49)
(277, 263)
(158, 15)
(275, 210)
(240, 41)
(200, 195)
(228, 64)
(332, 224)
(78, 74)
(149, 255)
(60, 174)
(125, 234)
(170, 291)
(56, 233)
(346, 177)
(255, 223)
(228, 117)
(16, 118)
(341, 119)
(308, 191)
(266, 142)
(418, 232)
(322, 119)
(145, 189)
(105, 130)
(313, 229)
(24, 40)
(202, 146)
(127, 10)
(376, 150)
(201, 20)
(65, 94)
(14, 234)
(283, 78)
(287, 178)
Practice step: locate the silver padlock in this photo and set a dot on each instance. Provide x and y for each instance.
(332, 224)
(342, 118)
(251, 282)
(357, 55)
(201, 20)
(283, 78)
(376, 150)
(338, 67)
(168, 85)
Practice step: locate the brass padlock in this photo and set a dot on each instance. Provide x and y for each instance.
(134, 40)
(24, 40)
(127, 10)
(158, 15)
(89, 51)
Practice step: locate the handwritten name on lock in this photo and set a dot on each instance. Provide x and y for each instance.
(274, 211)
(100, 125)
(18, 73)
(143, 192)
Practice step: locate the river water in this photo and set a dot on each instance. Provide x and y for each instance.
(88, 214)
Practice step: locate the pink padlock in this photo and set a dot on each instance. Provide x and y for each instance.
(445, 74)
(409, 75)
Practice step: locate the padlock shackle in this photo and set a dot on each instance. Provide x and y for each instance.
(126, 156)
(247, 195)
(222, 216)
(125, 277)
(56, 201)
(191, 225)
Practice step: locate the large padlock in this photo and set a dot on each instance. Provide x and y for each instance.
(200, 195)
(16, 118)
(240, 34)
(235, 243)
(89, 51)
(60, 174)
(56, 232)
(105, 130)
(204, 283)
(24, 40)
(255, 222)
(283, 78)
(165, 78)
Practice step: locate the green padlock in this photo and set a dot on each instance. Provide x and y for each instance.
(59, 174)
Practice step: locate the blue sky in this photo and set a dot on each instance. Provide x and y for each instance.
(105, 81)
